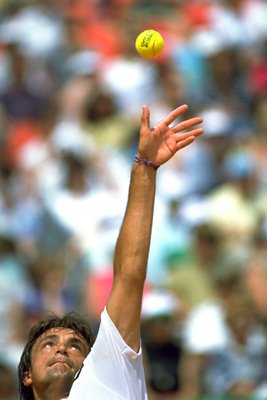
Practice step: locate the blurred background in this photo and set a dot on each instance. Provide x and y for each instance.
(71, 91)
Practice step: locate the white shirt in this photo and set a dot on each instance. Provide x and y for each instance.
(112, 370)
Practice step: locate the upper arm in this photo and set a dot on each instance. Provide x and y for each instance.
(124, 308)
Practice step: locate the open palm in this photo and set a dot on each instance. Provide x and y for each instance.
(160, 143)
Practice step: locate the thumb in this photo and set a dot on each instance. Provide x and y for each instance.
(145, 118)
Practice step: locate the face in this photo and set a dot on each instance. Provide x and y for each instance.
(56, 356)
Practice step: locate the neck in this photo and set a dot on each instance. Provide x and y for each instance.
(56, 391)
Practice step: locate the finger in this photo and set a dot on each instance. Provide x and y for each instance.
(195, 132)
(145, 118)
(181, 144)
(187, 124)
(175, 114)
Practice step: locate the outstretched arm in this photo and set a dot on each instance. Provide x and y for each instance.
(157, 145)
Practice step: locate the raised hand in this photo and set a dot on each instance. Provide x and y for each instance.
(160, 143)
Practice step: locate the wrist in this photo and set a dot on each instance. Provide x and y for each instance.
(144, 161)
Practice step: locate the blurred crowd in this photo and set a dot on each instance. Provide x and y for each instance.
(71, 91)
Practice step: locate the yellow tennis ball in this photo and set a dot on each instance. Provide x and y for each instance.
(149, 43)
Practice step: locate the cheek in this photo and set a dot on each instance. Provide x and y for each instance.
(39, 362)
(78, 360)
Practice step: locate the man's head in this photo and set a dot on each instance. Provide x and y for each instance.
(54, 352)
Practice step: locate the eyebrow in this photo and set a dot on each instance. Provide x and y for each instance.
(46, 337)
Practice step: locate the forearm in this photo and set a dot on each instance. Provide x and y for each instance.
(133, 243)
(131, 255)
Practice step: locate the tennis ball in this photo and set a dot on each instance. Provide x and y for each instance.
(149, 43)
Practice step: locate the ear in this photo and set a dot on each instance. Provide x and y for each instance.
(27, 380)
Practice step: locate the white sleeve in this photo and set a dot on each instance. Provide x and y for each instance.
(112, 370)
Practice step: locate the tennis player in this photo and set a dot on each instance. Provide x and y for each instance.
(62, 359)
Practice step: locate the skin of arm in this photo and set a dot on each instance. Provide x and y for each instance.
(157, 144)
(190, 376)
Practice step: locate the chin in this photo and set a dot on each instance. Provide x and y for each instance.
(62, 371)
(61, 378)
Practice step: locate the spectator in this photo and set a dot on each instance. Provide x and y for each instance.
(199, 266)
(160, 325)
(236, 337)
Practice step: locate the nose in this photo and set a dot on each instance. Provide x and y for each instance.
(61, 348)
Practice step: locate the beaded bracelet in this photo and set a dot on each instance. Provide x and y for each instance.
(146, 162)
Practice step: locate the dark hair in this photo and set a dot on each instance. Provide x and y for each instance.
(71, 320)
